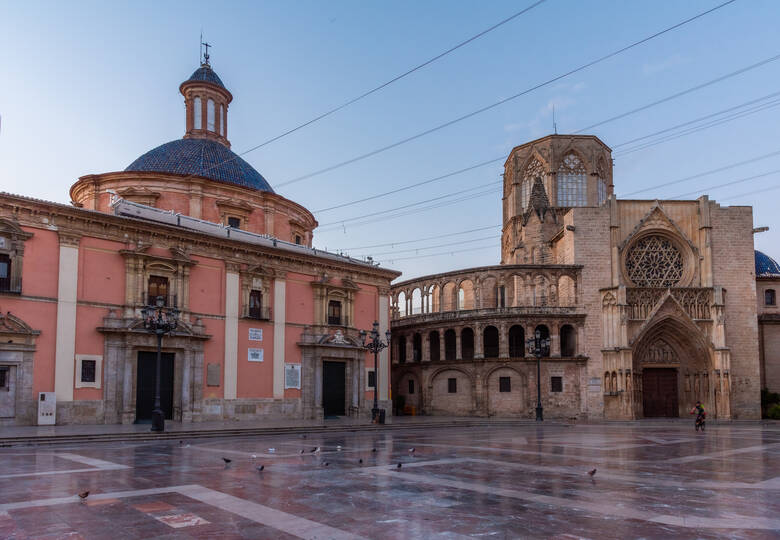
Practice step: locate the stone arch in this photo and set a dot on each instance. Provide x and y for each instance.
(401, 304)
(568, 340)
(467, 349)
(458, 403)
(416, 302)
(516, 341)
(567, 291)
(450, 344)
(669, 352)
(466, 296)
(450, 296)
(435, 300)
(413, 399)
(490, 339)
(434, 346)
(515, 402)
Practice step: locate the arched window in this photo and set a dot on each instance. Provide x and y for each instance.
(602, 188)
(490, 342)
(401, 350)
(222, 120)
(198, 120)
(534, 170)
(416, 348)
(572, 182)
(449, 345)
(516, 342)
(654, 261)
(467, 343)
(568, 340)
(210, 115)
(769, 297)
(433, 346)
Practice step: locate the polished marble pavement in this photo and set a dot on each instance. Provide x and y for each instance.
(653, 480)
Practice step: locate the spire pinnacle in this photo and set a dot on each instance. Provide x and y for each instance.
(206, 57)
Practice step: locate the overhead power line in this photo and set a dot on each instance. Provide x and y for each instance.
(404, 242)
(458, 243)
(508, 99)
(391, 261)
(396, 78)
(620, 116)
(733, 182)
(680, 94)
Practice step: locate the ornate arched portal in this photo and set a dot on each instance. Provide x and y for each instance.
(672, 363)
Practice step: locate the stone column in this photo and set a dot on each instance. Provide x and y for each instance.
(384, 326)
(280, 320)
(441, 299)
(479, 348)
(231, 331)
(503, 341)
(426, 349)
(555, 340)
(458, 350)
(65, 348)
(410, 348)
(441, 345)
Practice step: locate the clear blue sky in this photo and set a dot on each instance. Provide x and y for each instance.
(90, 86)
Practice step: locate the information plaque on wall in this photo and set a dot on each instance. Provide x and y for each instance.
(256, 334)
(255, 355)
(292, 375)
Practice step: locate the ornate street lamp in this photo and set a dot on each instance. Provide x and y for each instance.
(538, 346)
(375, 346)
(159, 320)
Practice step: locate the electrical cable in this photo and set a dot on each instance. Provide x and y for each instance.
(403, 242)
(739, 181)
(391, 261)
(493, 237)
(505, 100)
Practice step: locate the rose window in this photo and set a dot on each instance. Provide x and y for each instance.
(654, 261)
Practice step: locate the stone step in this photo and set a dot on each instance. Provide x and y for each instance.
(39, 440)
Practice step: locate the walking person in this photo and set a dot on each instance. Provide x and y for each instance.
(698, 410)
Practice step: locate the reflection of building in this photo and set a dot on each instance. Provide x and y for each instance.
(650, 305)
(268, 324)
(767, 285)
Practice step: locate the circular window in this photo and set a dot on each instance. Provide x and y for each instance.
(654, 261)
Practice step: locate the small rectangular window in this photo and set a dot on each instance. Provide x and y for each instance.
(88, 370)
(298, 239)
(769, 297)
(256, 304)
(234, 222)
(504, 384)
(371, 379)
(5, 272)
(411, 386)
(4, 378)
(452, 386)
(556, 384)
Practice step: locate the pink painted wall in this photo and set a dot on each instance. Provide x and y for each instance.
(292, 355)
(255, 379)
(101, 272)
(214, 353)
(41, 263)
(89, 341)
(366, 304)
(207, 286)
(299, 297)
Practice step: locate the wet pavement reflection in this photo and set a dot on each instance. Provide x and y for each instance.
(652, 480)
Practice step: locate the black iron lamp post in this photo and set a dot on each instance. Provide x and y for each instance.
(159, 320)
(538, 346)
(375, 346)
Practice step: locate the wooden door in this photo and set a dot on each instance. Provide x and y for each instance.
(333, 388)
(659, 389)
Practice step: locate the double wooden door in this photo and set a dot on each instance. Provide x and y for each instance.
(659, 393)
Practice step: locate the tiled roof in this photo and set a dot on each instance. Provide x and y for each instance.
(766, 266)
(206, 74)
(201, 157)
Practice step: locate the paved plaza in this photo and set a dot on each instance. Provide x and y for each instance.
(652, 480)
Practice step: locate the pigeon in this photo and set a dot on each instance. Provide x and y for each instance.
(593, 472)
(398, 466)
(254, 456)
(84, 494)
(301, 451)
(316, 450)
(360, 460)
(227, 461)
(181, 442)
(326, 463)
(303, 436)
(260, 468)
(411, 450)
(373, 449)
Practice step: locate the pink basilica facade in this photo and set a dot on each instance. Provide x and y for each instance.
(269, 325)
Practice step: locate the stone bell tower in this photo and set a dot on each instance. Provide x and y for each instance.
(542, 180)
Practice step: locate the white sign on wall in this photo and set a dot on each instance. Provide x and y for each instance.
(292, 375)
(255, 355)
(256, 334)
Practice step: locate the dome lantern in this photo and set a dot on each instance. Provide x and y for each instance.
(206, 100)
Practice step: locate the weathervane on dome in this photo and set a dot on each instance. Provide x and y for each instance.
(206, 54)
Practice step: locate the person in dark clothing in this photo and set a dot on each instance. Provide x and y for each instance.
(698, 410)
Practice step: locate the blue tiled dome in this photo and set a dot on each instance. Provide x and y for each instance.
(201, 157)
(206, 74)
(766, 266)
